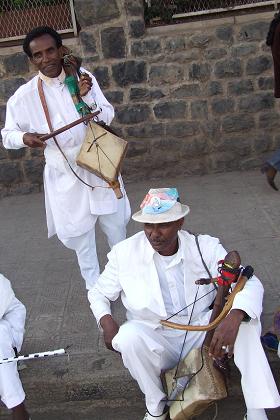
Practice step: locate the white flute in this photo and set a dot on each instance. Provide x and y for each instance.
(58, 352)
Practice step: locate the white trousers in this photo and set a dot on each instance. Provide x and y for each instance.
(114, 227)
(146, 352)
(11, 391)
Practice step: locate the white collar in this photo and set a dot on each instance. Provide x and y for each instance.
(53, 80)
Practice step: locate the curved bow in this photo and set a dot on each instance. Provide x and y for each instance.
(246, 274)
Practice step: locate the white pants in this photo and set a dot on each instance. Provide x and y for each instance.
(114, 227)
(11, 391)
(146, 352)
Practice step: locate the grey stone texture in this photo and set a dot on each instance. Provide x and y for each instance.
(192, 89)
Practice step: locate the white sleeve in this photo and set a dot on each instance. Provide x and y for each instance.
(12, 135)
(106, 289)
(250, 298)
(15, 315)
(96, 96)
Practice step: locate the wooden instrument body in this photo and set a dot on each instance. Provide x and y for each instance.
(102, 153)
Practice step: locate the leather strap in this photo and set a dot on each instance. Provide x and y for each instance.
(46, 111)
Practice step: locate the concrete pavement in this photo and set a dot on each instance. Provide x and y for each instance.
(238, 207)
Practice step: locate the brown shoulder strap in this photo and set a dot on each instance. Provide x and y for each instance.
(202, 259)
(47, 114)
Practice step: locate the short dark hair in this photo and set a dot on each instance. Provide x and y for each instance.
(36, 33)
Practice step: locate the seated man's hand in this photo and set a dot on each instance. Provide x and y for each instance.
(85, 84)
(110, 329)
(33, 140)
(225, 334)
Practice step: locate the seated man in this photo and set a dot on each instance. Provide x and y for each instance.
(12, 319)
(155, 272)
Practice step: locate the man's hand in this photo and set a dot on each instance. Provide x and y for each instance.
(33, 140)
(225, 334)
(110, 329)
(85, 84)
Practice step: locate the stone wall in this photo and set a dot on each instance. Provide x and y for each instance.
(190, 98)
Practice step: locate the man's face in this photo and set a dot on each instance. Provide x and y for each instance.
(164, 236)
(46, 56)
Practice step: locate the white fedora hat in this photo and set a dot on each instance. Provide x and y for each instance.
(161, 205)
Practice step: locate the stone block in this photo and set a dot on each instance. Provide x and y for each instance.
(215, 53)
(215, 88)
(90, 12)
(199, 110)
(194, 147)
(129, 72)
(16, 64)
(211, 129)
(16, 153)
(225, 33)
(200, 71)
(266, 83)
(10, 172)
(173, 45)
(88, 42)
(134, 7)
(113, 43)
(170, 110)
(257, 102)
(137, 28)
(9, 86)
(269, 121)
(262, 143)
(165, 74)
(2, 114)
(114, 97)
(258, 64)
(222, 106)
(146, 130)
(239, 145)
(243, 50)
(149, 47)
(102, 76)
(33, 170)
(199, 40)
(240, 87)
(142, 94)
(228, 68)
(3, 152)
(133, 114)
(136, 148)
(182, 129)
(239, 122)
(187, 91)
(256, 31)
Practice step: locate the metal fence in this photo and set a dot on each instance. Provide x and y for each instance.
(168, 10)
(17, 17)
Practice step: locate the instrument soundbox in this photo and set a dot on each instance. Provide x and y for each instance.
(102, 153)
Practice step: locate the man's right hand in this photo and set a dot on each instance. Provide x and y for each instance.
(110, 329)
(33, 140)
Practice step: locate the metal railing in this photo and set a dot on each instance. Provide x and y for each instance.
(18, 17)
(168, 10)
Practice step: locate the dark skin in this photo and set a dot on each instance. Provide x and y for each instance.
(163, 238)
(20, 413)
(47, 58)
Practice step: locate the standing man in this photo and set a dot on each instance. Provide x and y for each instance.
(12, 319)
(154, 272)
(72, 208)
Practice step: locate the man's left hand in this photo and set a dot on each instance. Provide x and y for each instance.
(225, 334)
(85, 84)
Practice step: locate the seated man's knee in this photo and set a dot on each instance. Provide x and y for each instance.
(128, 337)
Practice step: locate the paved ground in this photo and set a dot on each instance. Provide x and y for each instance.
(239, 208)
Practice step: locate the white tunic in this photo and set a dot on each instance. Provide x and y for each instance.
(69, 203)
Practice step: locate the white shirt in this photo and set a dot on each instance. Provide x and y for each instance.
(171, 277)
(69, 203)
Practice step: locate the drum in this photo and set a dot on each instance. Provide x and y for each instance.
(102, 153)
(207, 385)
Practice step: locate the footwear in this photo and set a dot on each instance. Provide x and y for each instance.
(150, 417)
(270, 341)
(270, 173)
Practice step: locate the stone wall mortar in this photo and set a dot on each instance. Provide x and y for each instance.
(190, 99)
